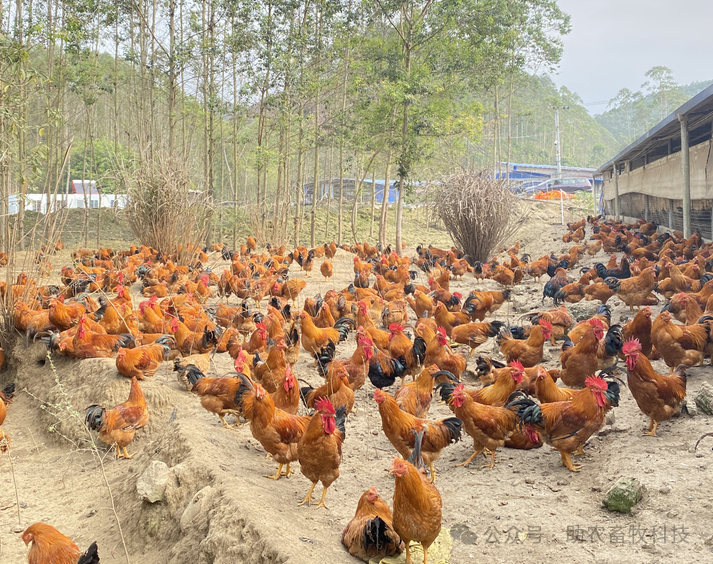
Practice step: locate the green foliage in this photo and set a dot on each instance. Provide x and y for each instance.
(631, 114)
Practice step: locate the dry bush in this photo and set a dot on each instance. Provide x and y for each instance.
(476, 210)
(162, 211)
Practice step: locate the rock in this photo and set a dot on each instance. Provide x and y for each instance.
(689, 407)
(623, 495)
(151, 485)
(583, 310)
(704, 398)
(193, 508)
(665, 490)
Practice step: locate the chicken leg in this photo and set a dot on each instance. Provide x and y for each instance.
(492, 461)
(433, 472)
(567, 462)
(653, 425)
(472, 456)
(579, 451)
(277, 474)
(321, 501)
(308, 498)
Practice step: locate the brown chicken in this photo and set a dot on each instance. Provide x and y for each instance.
(417, 503)
(658, 397)
(49, 546)
(327, 269)
(581, 361)
(489, 426)
(679, 344)
(640, 328)
(117, 426)
(547, 391)
(88, 344)
(634, 291)
(315, 339)
(287, 395)
(398, 424)
(276, 430)
(439, 353)
(370, 534)
(336, 389)
(415, 397)
(528, 352)
(141, 362)
(6, 397)
(567, 425)
(320, 448)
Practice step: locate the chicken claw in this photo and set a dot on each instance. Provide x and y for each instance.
(467, 462)
(308, 498)
(277, 474)
(567, 463)
(653, 425)
(321, 501)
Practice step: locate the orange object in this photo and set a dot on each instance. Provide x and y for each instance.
(554, 195)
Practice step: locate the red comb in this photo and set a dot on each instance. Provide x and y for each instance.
(631, 345)
(517, 365)
(595, 382)
(546, 324)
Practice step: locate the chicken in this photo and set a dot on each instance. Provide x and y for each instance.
(658, 397)
(634, 291)
(337, 390)
(88, 344)
(479, 304)
(315, 339)
(422, 304)
(271, 373)
(6, 397)
(679, 344)
(566, 425)
(63, 316)
(640, 328)
(320, 448)
(528, 352)
(327, 269)
(417, 503)
(383, 369)
(400, 346)
(439, 353)
(475, 334)
(547, 391)
(489, 426)
(217, 394)
(190, 342)
(287, 396)
(277, 431)
(49, 546)
(117, 426)
(141, 362)
(506, 382)
(555, 284)
(580, 361)
(415, 397)
(181, 364)
(398, 426)
(370, 534)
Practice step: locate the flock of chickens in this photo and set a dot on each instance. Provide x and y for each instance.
(518, 406)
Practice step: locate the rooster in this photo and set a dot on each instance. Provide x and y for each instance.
(315, 339)
(117, 426)
(658, 397)
(400, 428)
(566, 425)
(320, 448)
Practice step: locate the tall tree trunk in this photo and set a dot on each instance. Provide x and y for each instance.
(385, 202)
(315, 188)
(373, 200)
(171, 76)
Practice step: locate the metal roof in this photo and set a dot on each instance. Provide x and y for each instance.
(548, 167)
(699, 110)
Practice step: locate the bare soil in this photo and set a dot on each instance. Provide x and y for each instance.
(527, 507)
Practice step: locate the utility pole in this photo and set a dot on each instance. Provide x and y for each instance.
(559, 155)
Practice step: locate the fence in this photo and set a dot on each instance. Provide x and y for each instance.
(665, 212)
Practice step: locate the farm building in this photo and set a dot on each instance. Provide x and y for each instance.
(40, 202)
(349, 184)
(665, 175)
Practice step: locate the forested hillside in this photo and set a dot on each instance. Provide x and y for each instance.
(630, 114)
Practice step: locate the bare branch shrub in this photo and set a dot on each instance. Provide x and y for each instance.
(476, 210)
(163, 211)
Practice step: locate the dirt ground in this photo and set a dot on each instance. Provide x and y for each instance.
(528, 506)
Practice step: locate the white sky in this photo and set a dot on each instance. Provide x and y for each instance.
(614, 42)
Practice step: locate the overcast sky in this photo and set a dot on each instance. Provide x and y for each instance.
(614, 42)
